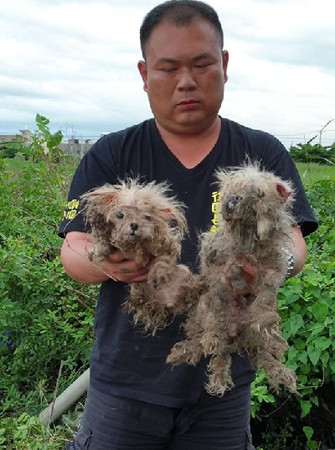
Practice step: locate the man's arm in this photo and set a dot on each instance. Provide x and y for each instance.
(298, 250)
(75, 259)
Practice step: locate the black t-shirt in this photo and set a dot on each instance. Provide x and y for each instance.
(124, 361)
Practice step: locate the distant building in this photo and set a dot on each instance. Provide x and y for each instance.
(25, 134)
(74, 147)
(70, 146)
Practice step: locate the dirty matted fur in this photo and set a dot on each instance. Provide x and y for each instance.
(254, 225)
(147, 224)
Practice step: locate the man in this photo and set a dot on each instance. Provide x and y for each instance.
(135, 399)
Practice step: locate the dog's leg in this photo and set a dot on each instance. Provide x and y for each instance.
(219, 374)
(262, 312)
(276, 372)
(209, 315)
(187, 351)
(101, 247)
(266, 348)
(145, 310)
(175, 295)
(184, 291)
(161, 270)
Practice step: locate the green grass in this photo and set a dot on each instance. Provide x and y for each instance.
(312, 172)
(14, 164)
(309, 172)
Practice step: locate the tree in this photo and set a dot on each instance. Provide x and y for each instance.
(313, 153)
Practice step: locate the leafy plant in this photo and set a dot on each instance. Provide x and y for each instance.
(307, 309)
(313, 153)
(41, 145)
(45, 317)
(26, 432)
(44, 143)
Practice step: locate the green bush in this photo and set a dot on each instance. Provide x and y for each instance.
(307, 309)
(45, 318)
(308, 153)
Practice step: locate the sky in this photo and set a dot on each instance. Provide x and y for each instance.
(75, 62)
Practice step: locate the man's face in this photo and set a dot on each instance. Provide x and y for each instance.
(184, 75)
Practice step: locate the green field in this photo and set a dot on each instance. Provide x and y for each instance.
(312, 172)
(309, 172)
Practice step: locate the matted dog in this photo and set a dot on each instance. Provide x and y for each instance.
(147, 224)
(254, 225)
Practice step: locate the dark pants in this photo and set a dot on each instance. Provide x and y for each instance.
(213, 423)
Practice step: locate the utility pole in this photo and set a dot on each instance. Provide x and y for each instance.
(320, 132)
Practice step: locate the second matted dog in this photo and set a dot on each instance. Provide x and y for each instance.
(254, 225)
(147, 224)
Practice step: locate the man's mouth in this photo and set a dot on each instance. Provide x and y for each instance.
(188, 104)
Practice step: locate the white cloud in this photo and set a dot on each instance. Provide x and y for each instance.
(75, 63)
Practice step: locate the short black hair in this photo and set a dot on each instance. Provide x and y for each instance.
(178, 12)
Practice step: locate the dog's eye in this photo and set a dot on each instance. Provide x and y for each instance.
(261, 194)
(120, 215)
(147, 217)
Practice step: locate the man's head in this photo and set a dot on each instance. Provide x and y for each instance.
(184, 68)
(179, 13)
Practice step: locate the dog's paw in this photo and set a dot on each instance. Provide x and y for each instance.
(184, 352)
(161, 272)
(178, 354)
(264, 321)
(282, 375)
(170, 294)
(209, 343)
(219, 375)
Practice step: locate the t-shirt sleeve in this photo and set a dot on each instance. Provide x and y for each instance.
(277, 159)
(96, 168)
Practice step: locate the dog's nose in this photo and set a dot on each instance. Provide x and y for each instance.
(134, 226)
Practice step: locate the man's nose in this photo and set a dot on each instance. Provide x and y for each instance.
(186, 80)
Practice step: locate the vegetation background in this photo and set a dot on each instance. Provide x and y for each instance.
(46, 318)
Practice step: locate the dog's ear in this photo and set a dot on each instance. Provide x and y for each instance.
(283, 191)
(106, 198)
(175, 219)
(98, 202)
(102, 197)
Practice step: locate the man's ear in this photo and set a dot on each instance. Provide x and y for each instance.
(142, 68)
(225, 59)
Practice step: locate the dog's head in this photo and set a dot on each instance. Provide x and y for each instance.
(131, 212)
(254, 198)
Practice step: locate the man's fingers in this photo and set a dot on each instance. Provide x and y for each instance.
(116, 257)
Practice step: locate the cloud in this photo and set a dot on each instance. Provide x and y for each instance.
(75, 63)
(282, 70)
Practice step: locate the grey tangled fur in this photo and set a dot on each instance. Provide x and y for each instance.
(147, 225)
(254, 225)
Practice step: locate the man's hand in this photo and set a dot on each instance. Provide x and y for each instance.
(248, 271)
(74, 255)
(123, 269)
